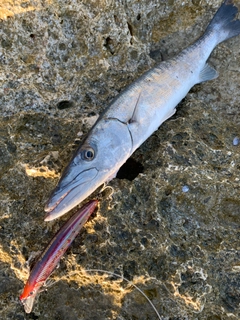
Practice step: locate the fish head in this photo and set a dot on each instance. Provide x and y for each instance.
(95, 162)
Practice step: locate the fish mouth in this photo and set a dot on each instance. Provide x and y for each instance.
(49, 209)
(68, 194)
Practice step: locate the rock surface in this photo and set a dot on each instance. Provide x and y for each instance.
(173, 227)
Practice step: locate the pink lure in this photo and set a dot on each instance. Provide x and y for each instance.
(50, 257)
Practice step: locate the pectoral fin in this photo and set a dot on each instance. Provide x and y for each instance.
(135, 117)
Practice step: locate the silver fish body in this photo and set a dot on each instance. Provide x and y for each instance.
(136, 113)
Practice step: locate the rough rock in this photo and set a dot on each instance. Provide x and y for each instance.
(173, 227)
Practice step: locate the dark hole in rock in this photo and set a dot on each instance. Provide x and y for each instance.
(130, 170)
(65, 104)
(56, 138)
(156, 55)
(91, 114)
(109, 45)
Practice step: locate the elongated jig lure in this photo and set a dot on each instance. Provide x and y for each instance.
(50, 257)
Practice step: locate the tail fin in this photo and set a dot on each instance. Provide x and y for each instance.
(223, 21)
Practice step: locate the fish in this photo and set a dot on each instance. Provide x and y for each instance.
(136, 113)
(52, 254)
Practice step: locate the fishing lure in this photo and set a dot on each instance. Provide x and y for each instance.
(50, 257)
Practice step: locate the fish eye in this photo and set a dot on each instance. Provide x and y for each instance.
(88, 154)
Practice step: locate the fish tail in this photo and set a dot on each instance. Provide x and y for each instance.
(224, 23)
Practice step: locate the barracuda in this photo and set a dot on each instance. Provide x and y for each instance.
(137, 112)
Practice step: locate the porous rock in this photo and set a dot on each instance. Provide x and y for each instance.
(61, 63)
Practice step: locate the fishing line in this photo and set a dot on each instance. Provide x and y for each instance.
(131, 283)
